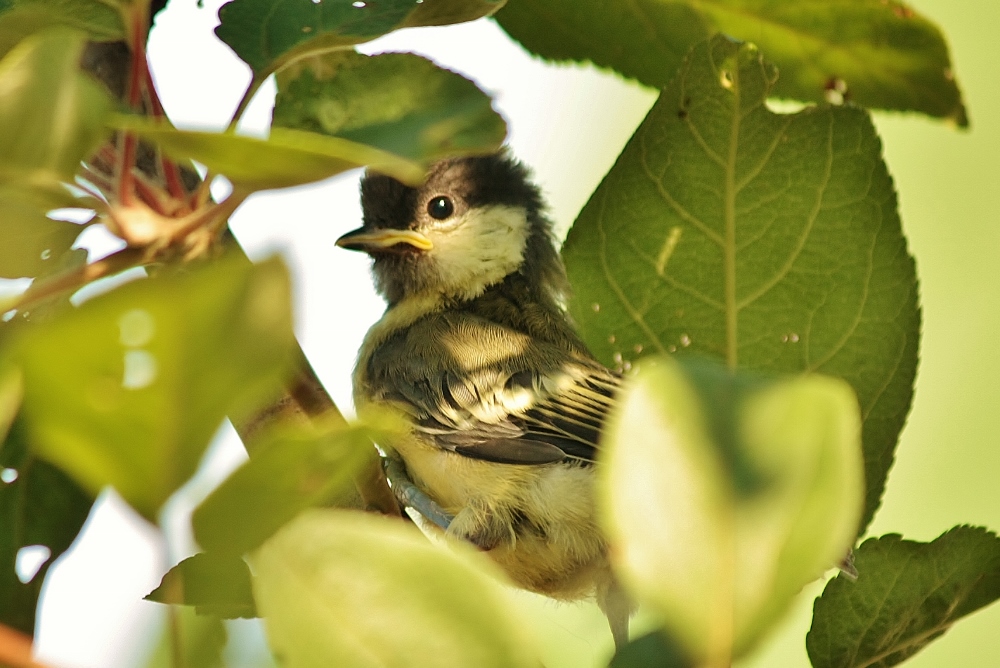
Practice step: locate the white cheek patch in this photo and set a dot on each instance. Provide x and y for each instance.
(479, 249)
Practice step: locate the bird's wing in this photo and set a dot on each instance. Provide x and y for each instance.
(496, 395)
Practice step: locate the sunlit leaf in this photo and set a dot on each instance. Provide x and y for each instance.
(906, 595)
(51, 115)
(398, 102)
(768, 241)
(21, 18)
(345, 588)
(200, 640)
(878, 53)
(216, 584)
(41, 508)
(129, 389)
(291, 469)
(287, 158)
(270, 34)
(723, 495)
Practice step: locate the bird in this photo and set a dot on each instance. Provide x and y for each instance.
(505, 404)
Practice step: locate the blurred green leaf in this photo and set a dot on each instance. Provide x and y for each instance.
(39, 506)
(653, 650)
(345, 588)
(51, 115)
(769, 241)
(906, 595)
(201, 638)
(215, 584)
(32, 242)
(269, 34)
(287, 158)
(21, 18)
(397, 102)
(883, 53)
(129, 389)
(292, 469)
(723, 495)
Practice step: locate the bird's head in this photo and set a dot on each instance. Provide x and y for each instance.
(474, 222)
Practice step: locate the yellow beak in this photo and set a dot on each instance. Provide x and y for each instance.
(374, 240)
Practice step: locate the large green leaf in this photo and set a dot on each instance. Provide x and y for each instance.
(292, 469)
(881, 52)
(344, 588)
(287, 158)
(906, 595)
(398, 102)
(129, 389)
(270, 34)
(39, 506)
(724, 494)
(51, 115)
(768, 241)
(20, 18)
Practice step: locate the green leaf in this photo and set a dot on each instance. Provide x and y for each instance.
(768, 241)
(215, 584)
(287, 158)
(32, 242)
(885, 55)
(129, 389)
(270, 34)
(21, 18)
(906, 595)
(398, 102)
(653, 650)
(343, 588)
(200, 638)
(724, 494)
(41, 506)
(291, 470)
(51, 115)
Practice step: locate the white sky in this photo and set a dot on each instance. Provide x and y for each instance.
(567, 123)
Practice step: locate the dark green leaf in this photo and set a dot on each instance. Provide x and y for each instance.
(19, 18)
(51, 115)
(215, 584)
(129, 389)
(399, 103)
(345, 588)
(291, 470)
(883, 53)
(906, 595)
(723, 494)
(287, 158)
(768, 241)
(653, 650)
(40, 506)
(269, 34)
(32, 242)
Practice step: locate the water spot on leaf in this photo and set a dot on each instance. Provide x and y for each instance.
(8, 475)
(9, 315)
(140, 369)
(685, 340)
(726, 79)
(596, 307)
(835, 90)
(793, 337)
(29, 561)
(618, 358)
(136, 328)
(637, 348)
(612, 339)
(46, 254)
(672, 349)
(359, 4)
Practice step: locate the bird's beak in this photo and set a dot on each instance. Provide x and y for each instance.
(366, 240)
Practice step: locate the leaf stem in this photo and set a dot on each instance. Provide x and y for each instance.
(78, 277)
(255, 84)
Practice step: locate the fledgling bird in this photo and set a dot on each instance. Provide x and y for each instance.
(476, 349)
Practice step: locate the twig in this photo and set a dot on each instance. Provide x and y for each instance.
(78, 277)
(15, 649)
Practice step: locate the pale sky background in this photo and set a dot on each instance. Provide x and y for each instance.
(568, 124)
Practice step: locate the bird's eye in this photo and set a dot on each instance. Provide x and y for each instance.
(440, 207)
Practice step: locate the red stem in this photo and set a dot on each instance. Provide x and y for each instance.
(171, 173)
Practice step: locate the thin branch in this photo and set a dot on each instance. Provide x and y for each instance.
(78, 277)
(15, 649)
